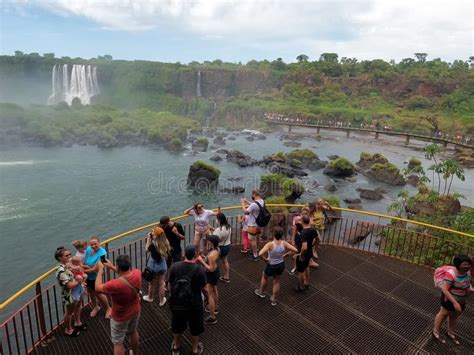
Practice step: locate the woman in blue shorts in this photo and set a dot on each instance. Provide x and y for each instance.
(276, 249)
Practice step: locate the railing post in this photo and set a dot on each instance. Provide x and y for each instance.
(39, 301)
(107, 275)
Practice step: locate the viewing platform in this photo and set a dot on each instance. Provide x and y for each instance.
(372, 296)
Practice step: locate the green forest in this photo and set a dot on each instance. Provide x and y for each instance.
(416, 94)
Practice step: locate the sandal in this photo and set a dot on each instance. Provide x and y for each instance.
(453, 338)
(437, 337)
(174, 351)
(81, 327)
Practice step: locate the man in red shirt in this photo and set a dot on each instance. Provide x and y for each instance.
(125, 293)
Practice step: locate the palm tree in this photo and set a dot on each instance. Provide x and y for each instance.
(302, 58)
(451, 169)
(430, 153)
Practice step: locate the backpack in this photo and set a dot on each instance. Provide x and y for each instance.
(263, 217)
(442, 273)
(181, 293)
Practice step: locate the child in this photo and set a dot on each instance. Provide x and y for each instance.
(75, 266)
(243, 220)
(81, 246)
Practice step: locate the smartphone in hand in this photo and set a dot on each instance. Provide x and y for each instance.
(103, 260)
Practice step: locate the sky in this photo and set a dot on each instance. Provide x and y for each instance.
(238, 31)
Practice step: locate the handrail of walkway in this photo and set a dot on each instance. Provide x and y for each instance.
(372, 130)
(32, 284)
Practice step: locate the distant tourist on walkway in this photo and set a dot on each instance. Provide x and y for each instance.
(254, 231)
(456, 288)
(224, 232)
(125, 293)
(212, 277)
(243, 220)
(175, 234)
(92, 257)
(308, 236)
(187, 281)
(201, 223)
(66, 281)
(276, 250)
(158, 246)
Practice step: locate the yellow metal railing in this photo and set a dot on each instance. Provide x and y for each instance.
(33, 283)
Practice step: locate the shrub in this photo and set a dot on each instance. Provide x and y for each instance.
(343, 165)
(365, 156)
(385, 166)
(414, 162)
(203, 165)
(418, 102)
(202, 141)
(301, 154)
(176, 143)
(333, 200)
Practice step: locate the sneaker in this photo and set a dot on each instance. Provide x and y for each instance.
(223, 279)
(260, 293)
(163, 302)
(210, 320)
(273, 301)
(255, 258)
(147, 298)
(244, 251)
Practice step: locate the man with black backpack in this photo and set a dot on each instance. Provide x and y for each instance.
(186, 280)
(258, 218)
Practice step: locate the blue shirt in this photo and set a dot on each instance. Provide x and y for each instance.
(90, 260)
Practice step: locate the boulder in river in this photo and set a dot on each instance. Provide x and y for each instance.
(234, 190)
(387, 173)
(366, 160)
(356, 206)
(330, 187)
(341, 167)
(200, 144)
(215, 158)
(203, 176)
(352, 200)
(219, 140)
(292, 144)
(370, 194)
(413, 180)
(222, 151)
(333, 157)
(239, 158)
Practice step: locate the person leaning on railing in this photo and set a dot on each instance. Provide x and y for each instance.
(67, 282)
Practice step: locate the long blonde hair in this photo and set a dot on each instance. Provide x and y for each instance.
(161, 244)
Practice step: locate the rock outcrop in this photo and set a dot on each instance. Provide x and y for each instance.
(239, 158)
(370, 194)
(340, 167)
(202, 176)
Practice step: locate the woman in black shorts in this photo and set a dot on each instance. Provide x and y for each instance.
(277, 249)
(212, 277)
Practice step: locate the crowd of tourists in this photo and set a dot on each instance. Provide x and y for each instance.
(189, 283)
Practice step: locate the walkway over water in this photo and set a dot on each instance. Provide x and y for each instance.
(358, 302)
(348, 129)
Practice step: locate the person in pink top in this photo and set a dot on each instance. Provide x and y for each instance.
(125, 294)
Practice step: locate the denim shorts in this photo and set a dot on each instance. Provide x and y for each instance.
(157, 266)
(77, 292)
(225, 249)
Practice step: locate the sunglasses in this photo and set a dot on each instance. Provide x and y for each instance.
(67, 254)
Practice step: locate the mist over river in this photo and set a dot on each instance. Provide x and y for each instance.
(50, 196)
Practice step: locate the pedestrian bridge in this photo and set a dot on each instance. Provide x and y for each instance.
(370, 295)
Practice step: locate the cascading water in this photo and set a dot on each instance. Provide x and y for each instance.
(80, 82)
(198, 85)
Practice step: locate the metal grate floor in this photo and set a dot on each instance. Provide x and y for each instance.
(357, 303)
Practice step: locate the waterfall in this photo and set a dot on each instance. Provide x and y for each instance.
(198, 85)
(80, 82)
(207, 121)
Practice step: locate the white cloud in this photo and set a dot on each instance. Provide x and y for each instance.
(363, 28)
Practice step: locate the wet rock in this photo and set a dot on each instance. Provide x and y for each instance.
(330, 187)
(278, 168)
(387, 175)
(219, 140)
(380, 190)
(232, 138)
(234, 190)
(240, 159)
(250, 138)
(333, 157)
(355, 207)
(413, 180)
(351, 179)
(367, 160)
(202, 177)
(353, 200)
(215, 158)
(292, 144)
(222, 151)
(370, 194)
(316, 165)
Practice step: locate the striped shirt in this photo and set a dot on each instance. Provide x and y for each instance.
(459, 286)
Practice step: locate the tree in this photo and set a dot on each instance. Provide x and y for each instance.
(450, 169)
(302, 58)
(48, 55)
(328, 57)
(19, 54)
(471, 62)
(430, 153)
(421, 57)
(406, 62)
(108, 57)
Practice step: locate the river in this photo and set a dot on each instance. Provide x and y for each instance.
(50, 196)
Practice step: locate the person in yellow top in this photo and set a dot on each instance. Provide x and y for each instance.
(317, 214)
